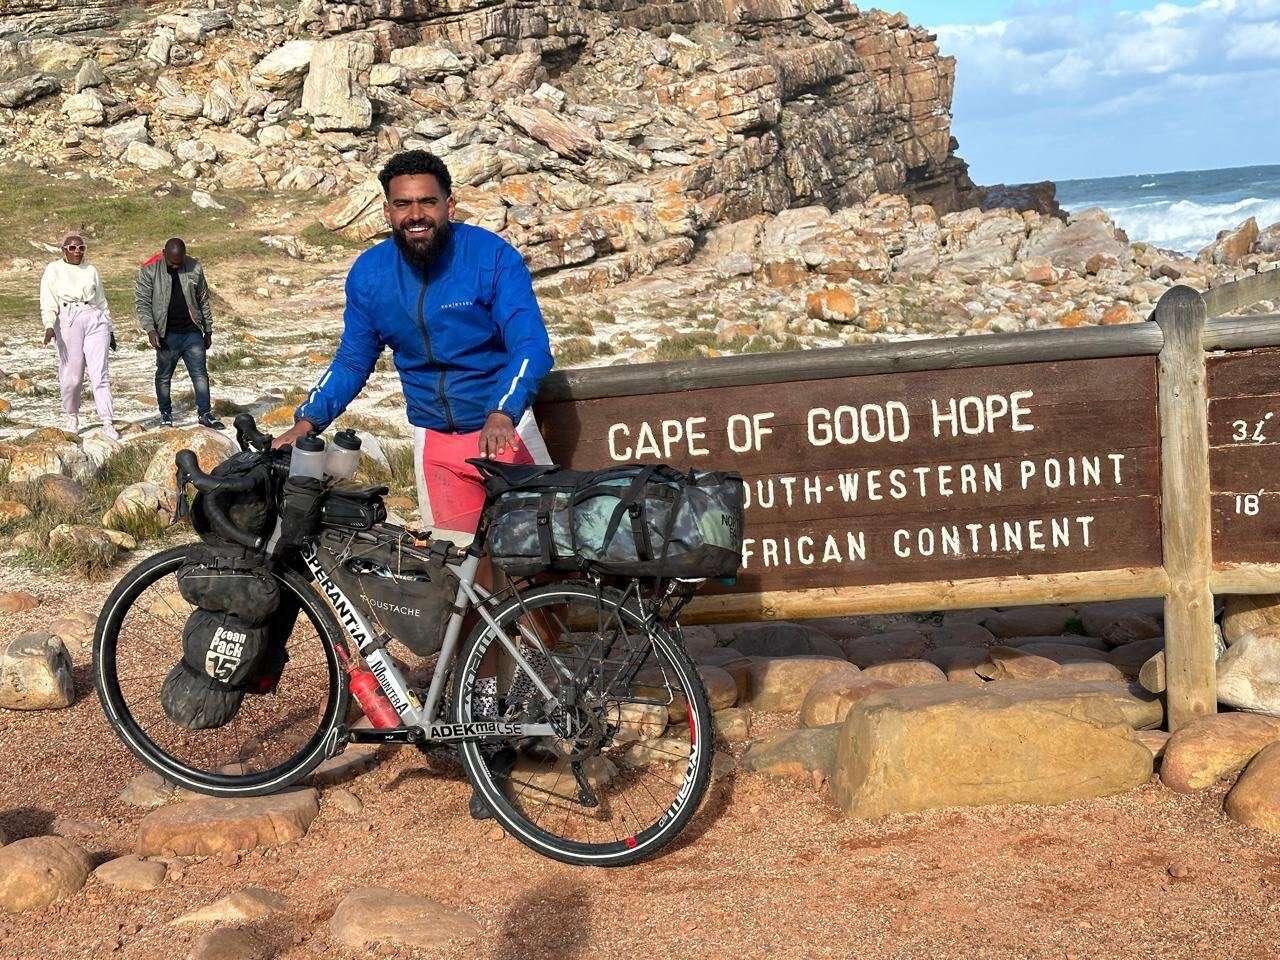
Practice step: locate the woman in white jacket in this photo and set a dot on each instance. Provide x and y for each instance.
(73, 307)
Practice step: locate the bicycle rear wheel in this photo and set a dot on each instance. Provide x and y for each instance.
(274, 739)
(632, 756)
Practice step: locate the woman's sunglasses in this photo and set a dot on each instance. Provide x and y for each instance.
(73, 247)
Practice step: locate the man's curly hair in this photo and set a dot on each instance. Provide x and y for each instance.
(413, 163)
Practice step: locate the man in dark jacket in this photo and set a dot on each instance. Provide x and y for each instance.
(175, 313)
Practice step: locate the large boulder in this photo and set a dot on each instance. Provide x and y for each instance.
(131, 873)
(331, 94)
(919, 748)
(35, 673)
(1123, 621)
(1069, 639)
(1088, 234)
(35, 460)
(209, 825)
(209, 446)
(141, 499)
(377, 915)
(1064, 652)
(1213, 747)
(284, 67)
(831, 698)
(1255, 799)
(905, 673)
(83, 542)
(1130, 657)
(1007, 663)
(37, 871)
(904, 644)
(1245, 615)
(794, 754)
(784, 640)
(779, 685)
(1249, 674)
(1036, 621)
(117, 137)
(960, 664)
(1231, 246)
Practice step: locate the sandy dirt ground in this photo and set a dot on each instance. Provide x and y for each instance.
(768, 868)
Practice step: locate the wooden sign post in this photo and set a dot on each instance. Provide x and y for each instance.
(1054, 466)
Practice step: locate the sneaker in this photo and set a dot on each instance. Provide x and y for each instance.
(110, 432)
(212, 422)
(166, 420)
(501, 762)
(72, 422)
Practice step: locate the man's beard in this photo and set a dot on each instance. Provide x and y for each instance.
(421, 255)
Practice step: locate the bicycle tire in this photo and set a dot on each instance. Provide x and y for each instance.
(106, 637)
(624, 851)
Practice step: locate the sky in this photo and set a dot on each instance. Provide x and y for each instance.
(1095, 88)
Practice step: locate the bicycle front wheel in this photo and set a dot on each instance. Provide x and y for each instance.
(631, 758)
(274, 739)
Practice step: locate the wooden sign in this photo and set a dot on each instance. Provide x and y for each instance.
(1012, 470)
(1244, 455)
(1047, 467)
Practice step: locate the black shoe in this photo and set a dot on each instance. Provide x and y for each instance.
(212, 422)
(500, 763)
(166, 420)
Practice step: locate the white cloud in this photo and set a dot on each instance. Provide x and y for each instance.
(1082, 61)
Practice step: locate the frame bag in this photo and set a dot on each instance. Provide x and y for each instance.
(407, 598)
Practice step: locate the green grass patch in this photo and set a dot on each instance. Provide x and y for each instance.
(577, 327)
(399, 475)
(574, 350)
(125, 467)
(234, 359)
(317, 234)
(684, 346)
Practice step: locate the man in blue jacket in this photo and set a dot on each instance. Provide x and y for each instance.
(455, 304)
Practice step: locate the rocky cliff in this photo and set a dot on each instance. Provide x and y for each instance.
(58, 16)
(604, 137)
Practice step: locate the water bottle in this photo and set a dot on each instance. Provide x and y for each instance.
(308, 458)
(344, 455)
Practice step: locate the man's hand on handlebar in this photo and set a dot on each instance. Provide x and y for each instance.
(296, 432)
(498, 433)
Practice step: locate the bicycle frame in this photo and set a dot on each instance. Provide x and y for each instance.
(416, 715)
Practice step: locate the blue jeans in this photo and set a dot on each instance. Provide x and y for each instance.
(189, 347)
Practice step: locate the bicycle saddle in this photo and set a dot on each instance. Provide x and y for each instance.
(513, 474)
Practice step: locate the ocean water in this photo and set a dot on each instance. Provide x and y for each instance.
(1180, 211)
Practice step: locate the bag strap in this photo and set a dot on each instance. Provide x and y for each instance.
(629, 497)
(676, 503)
(546, 504)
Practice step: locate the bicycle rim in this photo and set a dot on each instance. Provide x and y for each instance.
(636, 759)
(274, 739)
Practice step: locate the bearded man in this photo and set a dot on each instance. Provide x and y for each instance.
(455, 304)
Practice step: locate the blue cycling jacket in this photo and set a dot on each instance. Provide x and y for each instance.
(468, 337)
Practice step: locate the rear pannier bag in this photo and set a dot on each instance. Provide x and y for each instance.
(632, 521)
(409, 599)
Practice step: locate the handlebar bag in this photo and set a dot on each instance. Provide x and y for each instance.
(221, 656)
(253, 511)
(408, 598)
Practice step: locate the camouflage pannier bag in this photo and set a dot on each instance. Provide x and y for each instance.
(629, 521)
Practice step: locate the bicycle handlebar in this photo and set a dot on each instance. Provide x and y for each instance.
(189, 471)
(248, 435)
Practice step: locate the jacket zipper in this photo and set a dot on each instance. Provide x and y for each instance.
(431, 359)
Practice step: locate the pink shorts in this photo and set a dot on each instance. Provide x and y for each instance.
(450, 490)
